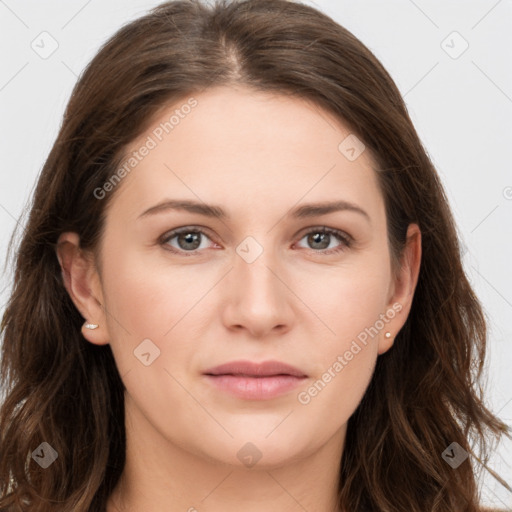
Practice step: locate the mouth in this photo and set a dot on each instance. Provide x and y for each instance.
(255, 381)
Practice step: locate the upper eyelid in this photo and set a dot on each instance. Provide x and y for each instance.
(177, 231)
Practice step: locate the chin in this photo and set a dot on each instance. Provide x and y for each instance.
(255, 450)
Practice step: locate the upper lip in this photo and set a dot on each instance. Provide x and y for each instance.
(253, 369)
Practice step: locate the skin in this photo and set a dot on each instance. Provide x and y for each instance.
(258, 156)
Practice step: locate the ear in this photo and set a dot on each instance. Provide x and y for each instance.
(403, 287)
(83, 284)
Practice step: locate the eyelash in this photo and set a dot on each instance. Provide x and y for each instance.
(340, 235)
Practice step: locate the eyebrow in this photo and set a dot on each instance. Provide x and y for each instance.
(217, 212)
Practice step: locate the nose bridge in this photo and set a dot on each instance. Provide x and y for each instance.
(252, 268)
(258, 298)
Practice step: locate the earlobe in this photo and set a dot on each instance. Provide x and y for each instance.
(386, 343)
(81, 280)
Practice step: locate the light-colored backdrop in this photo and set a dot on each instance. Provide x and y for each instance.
(450, 60)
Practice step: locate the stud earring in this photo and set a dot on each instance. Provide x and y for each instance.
(91, 326)
(388, 334)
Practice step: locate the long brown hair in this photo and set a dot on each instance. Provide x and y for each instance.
(60, 389)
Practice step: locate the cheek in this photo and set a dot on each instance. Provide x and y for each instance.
(350, 302)
(151, 294)
(347, 300)
(148, 302)
(351, 306)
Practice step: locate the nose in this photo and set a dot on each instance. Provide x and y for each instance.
(258, 299)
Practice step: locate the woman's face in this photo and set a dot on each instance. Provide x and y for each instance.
(259, 282)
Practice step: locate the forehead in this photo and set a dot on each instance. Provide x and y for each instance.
(235, 144)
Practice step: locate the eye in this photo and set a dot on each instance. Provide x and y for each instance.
(321, 238)
(188, 240)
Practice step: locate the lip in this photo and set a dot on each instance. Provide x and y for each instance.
(252, 369)
(255, 381)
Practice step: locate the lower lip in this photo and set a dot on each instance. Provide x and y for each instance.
(255, 388)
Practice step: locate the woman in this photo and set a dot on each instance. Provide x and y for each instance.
(240, 285)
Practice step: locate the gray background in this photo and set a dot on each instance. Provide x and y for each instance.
(461, 104)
